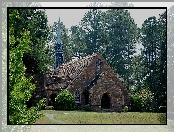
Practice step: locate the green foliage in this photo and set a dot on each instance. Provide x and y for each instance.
(20, 87)
(147, 99)
(112, 33)
(138, 68)
(36, 60)
(125, 108)
(65, 101)
(87, 107)
(155, 58)
(136, 104)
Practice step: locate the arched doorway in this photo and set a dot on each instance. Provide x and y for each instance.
(86, 95)
(52, 99)
(105, 101)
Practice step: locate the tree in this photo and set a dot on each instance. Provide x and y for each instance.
(112, 33)
(162, 62)
(155, 59)
(20, 87)
(120, 45)
(77, 41)
(85, 38)
(4, 63)
(137, 76)
(36, 60)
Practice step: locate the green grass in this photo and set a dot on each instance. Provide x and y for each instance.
(80, 117)
(45, 120)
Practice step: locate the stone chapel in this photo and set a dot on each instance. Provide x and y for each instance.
(90, 79)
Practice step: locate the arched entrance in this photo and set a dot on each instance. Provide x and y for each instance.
(86, 94)
(52, 99)
(105, 101)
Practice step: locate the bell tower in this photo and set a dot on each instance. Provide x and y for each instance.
(59, 57)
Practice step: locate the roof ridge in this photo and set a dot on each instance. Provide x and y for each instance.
(78, 60)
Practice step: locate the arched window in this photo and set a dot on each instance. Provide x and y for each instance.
(98, 64)
(77, 96)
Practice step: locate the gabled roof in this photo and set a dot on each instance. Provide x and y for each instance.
(74, 68)
(69, 71)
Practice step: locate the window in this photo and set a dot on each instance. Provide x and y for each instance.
(77, 96)
(98, 64)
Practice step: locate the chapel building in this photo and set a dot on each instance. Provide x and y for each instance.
(90, 79)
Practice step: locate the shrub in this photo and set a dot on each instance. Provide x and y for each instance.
(147, 97)
(125, 108)
(65, 101)
(87, 107)
(136, 104)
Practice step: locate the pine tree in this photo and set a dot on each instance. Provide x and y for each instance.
(155, 59)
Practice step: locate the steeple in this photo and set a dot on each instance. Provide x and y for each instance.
(59, 57)
(59, 33)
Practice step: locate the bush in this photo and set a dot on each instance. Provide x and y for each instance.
(136, 104)
(125, 108)
(87, 107)
(65, 101)
(147, 97)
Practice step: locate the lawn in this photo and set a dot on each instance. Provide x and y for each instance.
(81, 117)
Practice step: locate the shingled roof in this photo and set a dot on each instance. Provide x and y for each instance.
(68, 72)
(74, 68)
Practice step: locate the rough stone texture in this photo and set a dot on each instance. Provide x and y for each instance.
(85, 75)
(107, 83)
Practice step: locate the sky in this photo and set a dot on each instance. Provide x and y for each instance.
(71, 17)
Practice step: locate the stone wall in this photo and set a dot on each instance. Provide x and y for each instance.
(107, 83)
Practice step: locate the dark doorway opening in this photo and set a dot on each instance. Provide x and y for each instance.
(86, 94)
(105, 101)
(52, 97)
